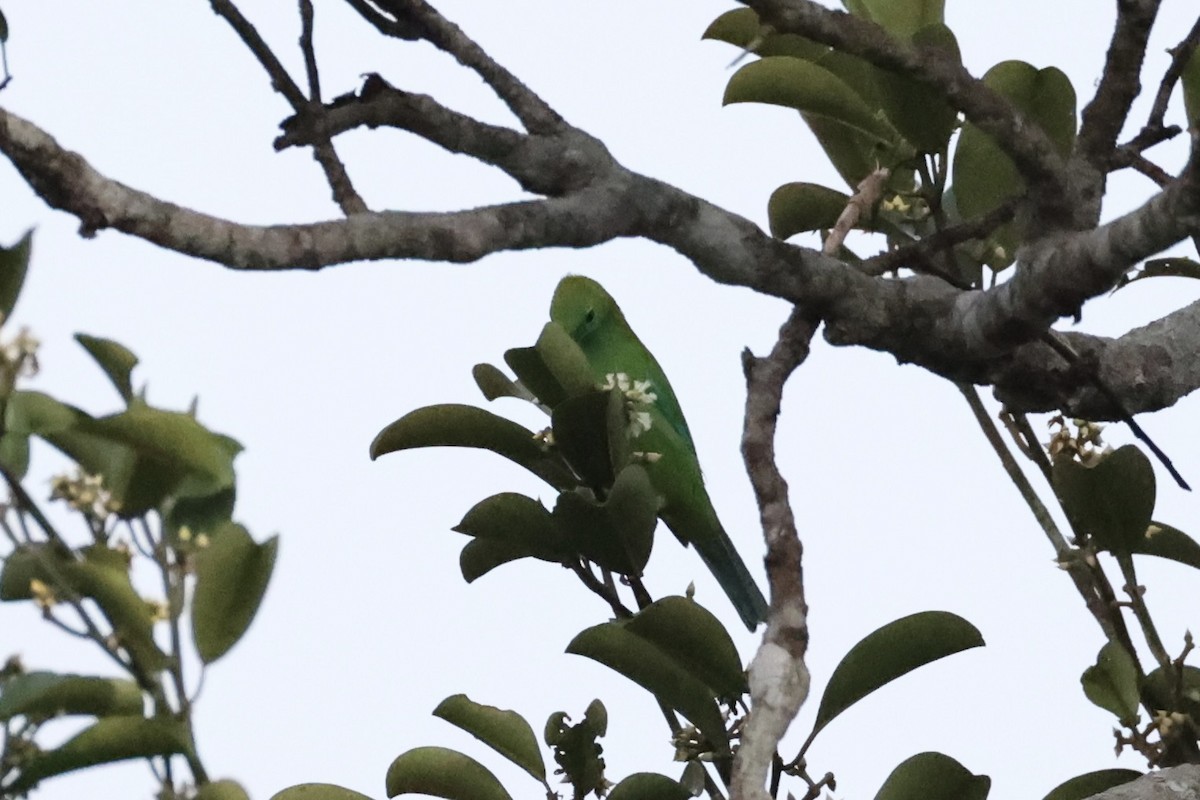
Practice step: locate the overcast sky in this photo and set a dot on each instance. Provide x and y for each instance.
(368, 623)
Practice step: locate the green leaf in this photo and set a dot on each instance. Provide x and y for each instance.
(199, 514)
(590, 432)
(519, 521)
(566, 361)
(984, 177)
(1164, 541)
(644, 663)
(891, 651)
(1084, 786)
(1163, 268)
(3, 28)
(695, 639)
(232, 573)
(617, 534)
(802, 207)
(109, 740)
(1166, 690)
(114, 358)
(533, 374)
(38, 413)
(224, 789)
(1112, 683)
(649, 786)
(933, 776)
(806, 87)
(1190, 79)
(919, 112)
(494, 384)
(1110, 502)
(42, 695)
(26, 563)
(103, 575)
(901, 18)
(200, 461)
(481, 556)
(441, 772)
(453, 425)
(14, 261)
(504, 731)
(318, 791)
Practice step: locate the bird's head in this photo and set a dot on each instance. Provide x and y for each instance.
(582, 306)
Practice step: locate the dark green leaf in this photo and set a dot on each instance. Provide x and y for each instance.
(114, 358)
(1090, 783)
(200, 514)
(441, 772)
(318, 791)
(617, 534)
(1110, 502)
(454, 425)
(494, 383)
(14, 261)
(224, 789)
(14, 453)
(504, 731)
(1163, 268)
(919, 112)
(802, 207)
(38, 413)
(891, 651)
(1166, 690)
(590, 432)
(695, 639)
(901, 18)
(563, 357)
(109, 740)
(806, 87)
(1165, 541)
(649, 786)
(3, 28)
(984, 177)
(43, 695)
(933, 776)
(1112, 683)
(1190, 79)
(232, 573)
(519, 521)
(534, 375)
(648, 666)
(481, 556)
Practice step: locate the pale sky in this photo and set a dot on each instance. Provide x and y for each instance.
(368, 624)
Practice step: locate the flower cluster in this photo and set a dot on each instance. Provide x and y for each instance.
(1084, 445)
(85, 494)
(638, 396)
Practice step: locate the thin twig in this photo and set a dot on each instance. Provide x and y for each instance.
(922, 252)
(1137, 602)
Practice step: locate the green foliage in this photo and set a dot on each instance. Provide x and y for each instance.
(222, 790)
(232, 573)
(1191, 89)
(14, 261)
(43, 695)
(109, 740)
(441, 772)
(1111, 502)
(578, 755)
(890, 652)
(933, 776)
(318, 791)
(1083, 786)
(115, 359)
(1163, 268)
(648, 786)
(1112, 683)
(506, 732)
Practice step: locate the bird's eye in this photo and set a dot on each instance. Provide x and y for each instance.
(590, 316)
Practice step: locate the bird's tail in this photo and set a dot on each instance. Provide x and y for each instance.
(726, 565)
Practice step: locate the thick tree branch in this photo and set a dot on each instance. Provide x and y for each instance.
(976, 337)
(1105, 115)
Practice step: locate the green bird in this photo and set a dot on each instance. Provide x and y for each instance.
(592, 318)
